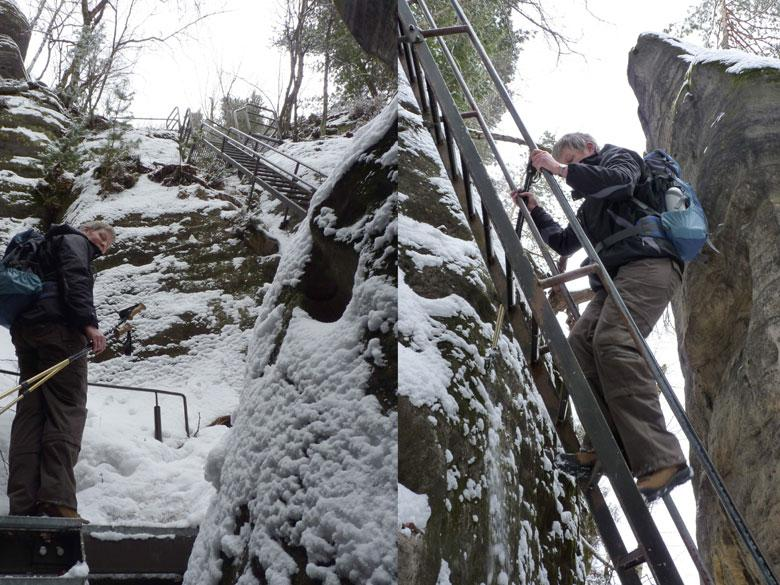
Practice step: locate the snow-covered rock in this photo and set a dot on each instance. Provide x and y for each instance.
(717, 113)
(14, 38)
(474, 438)
(31, 118)
(306, 480)
(14, 24)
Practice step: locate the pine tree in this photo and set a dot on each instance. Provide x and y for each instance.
(116, 170)
(749, 25)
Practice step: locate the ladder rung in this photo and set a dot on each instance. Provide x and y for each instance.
(633, 559)
(471, 114)
(567, 276)
(445, 30)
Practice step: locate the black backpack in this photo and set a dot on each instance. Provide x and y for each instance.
(20, 274)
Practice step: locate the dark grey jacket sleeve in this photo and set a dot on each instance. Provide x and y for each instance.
(74, 256)
(563, 240)
(615, 179)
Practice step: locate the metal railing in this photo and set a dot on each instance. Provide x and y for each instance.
(182, 125)
(436, 101)
(218, 138)
(265, 147)
(227, 139)
(253, 116)
(173, 121)
(157, 409)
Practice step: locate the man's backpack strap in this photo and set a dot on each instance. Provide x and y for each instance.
(649, 226)
(645, 207)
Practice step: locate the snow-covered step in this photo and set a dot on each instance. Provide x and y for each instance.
(136, 551)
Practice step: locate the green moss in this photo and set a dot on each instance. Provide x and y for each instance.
(757, 75)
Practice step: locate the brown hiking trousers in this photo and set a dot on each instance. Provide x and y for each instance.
(49, 422)
(616, 370)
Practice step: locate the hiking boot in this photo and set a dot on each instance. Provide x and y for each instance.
(58, 511)
(662, 481)
(579, 464)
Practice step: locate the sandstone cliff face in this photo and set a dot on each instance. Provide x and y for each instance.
(479, 499)
(14, 38)
(717, 113)
(31, 118)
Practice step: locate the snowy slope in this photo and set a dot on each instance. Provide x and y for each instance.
(124, 476)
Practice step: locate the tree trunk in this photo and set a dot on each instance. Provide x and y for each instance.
(724, 26)
(326, 72)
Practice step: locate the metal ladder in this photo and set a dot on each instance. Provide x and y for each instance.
(249, 154)
(467, 171)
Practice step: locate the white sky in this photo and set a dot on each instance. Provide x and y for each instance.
(238, 41)
(590, 93)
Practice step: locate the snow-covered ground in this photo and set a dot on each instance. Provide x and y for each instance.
(124, 475)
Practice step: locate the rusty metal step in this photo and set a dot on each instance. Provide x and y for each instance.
(137, 550)
(32, 545)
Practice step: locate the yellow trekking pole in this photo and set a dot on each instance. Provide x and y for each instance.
(31, 384)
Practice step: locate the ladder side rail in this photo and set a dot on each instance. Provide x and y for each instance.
(688, 540)
(605, 524)
(696, 444)
(638, 516)
(523, 209)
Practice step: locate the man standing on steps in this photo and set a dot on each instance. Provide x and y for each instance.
(49, 423)
(646, 272)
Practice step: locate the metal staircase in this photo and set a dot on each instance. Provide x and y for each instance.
(536, 325)
(39, 550)
(257, 158)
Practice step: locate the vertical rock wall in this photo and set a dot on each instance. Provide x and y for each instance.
(14, 39)
(480, 501)
(717, 113)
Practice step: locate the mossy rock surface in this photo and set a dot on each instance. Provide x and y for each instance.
(473, 438)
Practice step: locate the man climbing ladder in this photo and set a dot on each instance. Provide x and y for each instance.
(646, 272)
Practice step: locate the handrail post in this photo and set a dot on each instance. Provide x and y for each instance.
(157, 419)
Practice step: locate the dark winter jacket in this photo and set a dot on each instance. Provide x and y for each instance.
(67, 288)
(606, 181)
